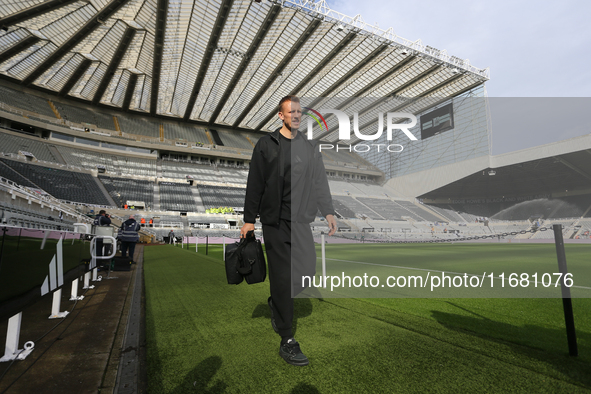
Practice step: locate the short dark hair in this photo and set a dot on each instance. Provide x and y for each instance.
(102, 211)
(289, 98)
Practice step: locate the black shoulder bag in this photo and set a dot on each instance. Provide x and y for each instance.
(245, 260)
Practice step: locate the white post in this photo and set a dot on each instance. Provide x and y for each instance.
(56, 304)
(323, 259)
(197, 244)
(74, 294)
(224, 248)
(11, 350)
(87, 281)
(45, 235)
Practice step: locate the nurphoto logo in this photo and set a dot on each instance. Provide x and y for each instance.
(315, 116)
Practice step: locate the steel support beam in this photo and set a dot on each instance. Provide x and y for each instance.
(370, 86)
(339, 47)
(75, 39)
(129, 92)
(161, 17)
(278, 70)
(425, 74)
(80, 70)
(32, 12)
(115, 61)
(422, 95)
(218, 27)
(573, 167)
(18, 48)
(375, 53)
(254, 46)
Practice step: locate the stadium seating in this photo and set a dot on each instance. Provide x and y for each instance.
(22, 217)
(25, 101)
(9, 173)
(185, 132)
(417, 212)
(85, 116)
(125, 189)
(116, 164)
(139, 126)
(234, 140)
(176, 197)
(180, 170)
(62, 184)
(219, 196)
(387, 208)
(38, 147)
(357, 207)
(342, 209)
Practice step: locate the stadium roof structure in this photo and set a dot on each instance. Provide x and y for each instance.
(554, 170)
(221, 62)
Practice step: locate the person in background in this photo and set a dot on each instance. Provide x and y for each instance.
(171, 237)
(143, 222)
(102, 219)
(128, 235)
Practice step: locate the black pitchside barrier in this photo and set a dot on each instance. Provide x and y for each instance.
(566, 298)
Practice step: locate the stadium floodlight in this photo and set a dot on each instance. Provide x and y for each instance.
(340, 27)
(455, 71)
(404, 51)
(492, 172)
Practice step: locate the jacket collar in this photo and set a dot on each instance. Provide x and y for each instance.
(275, 136)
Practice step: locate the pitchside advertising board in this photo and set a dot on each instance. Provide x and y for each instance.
(34, 263)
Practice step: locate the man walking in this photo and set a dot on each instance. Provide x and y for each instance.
(287, 185)
(128, 235)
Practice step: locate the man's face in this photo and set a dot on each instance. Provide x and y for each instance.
(291, 114)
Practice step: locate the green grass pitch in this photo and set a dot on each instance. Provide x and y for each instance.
(205, 336)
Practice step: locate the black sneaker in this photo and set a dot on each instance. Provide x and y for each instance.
(291, 353)
(273, 324)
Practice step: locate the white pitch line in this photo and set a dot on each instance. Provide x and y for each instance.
(448, 272)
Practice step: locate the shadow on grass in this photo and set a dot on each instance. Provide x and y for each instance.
(201, 377)
(523, 340)
(302, 307)
(304, 388)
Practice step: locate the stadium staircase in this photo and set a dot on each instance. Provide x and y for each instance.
(54, 109)
(56, 154)
(186, 228)
(460, 218)
(198, 199)
(433, 212)
(156, 197)
(105, 192)
(159, 168)
(367, 206)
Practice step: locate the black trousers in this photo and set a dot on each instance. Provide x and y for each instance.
(99, 247)
(290, 255)
(127, 245)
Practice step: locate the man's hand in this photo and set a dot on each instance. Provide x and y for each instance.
(332, 224)
(245, 229)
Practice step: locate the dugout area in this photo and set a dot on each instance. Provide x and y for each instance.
(203, 335)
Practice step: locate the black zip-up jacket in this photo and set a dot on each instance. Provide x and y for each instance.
(264, 190)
